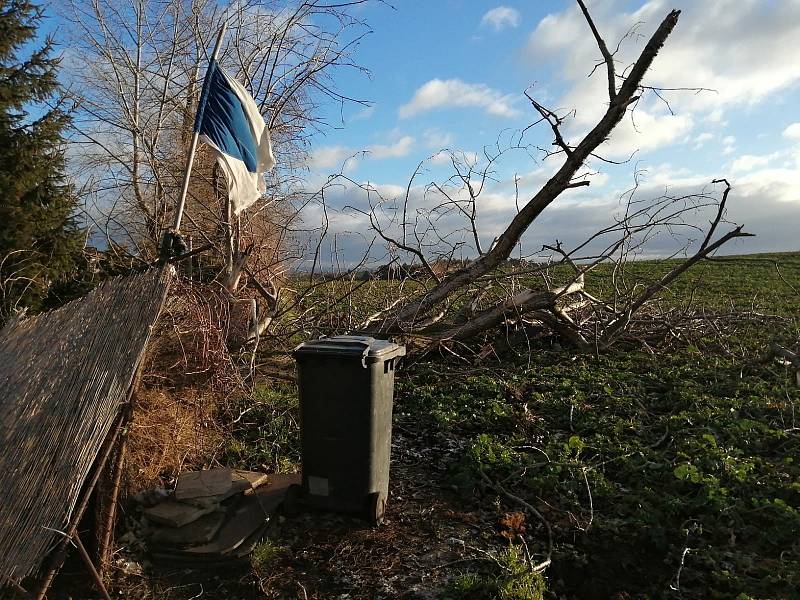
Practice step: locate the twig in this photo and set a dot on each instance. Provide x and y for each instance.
(591, 502)
(607, 56)
(498, 488)
(676, 586)
(490, 556)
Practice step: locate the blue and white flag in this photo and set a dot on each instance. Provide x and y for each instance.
(228, 120)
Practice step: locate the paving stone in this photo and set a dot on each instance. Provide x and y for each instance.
(198, 484)
(176, 514)
(200, 531)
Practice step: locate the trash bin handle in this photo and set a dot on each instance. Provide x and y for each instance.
(367, 345)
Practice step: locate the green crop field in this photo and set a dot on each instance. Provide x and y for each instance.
(661, 475)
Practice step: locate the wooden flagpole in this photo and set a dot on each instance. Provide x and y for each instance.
(166, 242)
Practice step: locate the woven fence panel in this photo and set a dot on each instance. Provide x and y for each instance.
(63, 377)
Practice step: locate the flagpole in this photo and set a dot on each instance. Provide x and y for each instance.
(195, 135)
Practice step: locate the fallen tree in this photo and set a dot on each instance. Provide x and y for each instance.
(566, 310)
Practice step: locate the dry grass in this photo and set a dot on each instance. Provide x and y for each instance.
(188, 380)
(170, 432)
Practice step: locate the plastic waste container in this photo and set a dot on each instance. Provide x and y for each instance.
(346, 387)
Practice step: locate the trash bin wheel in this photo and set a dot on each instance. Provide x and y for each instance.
(376, 507)
(291, 502)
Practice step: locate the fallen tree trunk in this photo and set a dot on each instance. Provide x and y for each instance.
(516, 306)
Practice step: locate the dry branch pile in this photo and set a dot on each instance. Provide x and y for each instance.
(188, 376)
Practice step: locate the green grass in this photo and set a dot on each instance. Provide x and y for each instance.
(507, 577)
(265, 555)
(721, 285)
(676, 451)
(762, 281)
(265, 433)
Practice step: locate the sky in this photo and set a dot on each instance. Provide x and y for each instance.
(452, 74)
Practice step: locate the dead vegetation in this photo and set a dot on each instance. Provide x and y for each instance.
(187, 380)
(171, 431)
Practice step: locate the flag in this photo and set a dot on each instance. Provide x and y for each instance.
(228, 120)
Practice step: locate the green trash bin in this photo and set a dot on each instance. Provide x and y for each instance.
(346, 387)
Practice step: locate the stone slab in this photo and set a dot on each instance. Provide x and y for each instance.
(200, 531)
(241, 482)
(248, 517)
(199, 484)
(176, 514)
(252, 479)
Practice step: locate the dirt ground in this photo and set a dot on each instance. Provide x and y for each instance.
(430, 533)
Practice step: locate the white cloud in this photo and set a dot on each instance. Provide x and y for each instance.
(765, 200)
(645, 132)
(400, 148)
(701, 139)
(436, 139)
(364, 114)
(792, 131)
(501, 17)
(335, 157)
(327, 157)
(446, 157)
(741, 73)
(729, 142)
(445, 93)
(716, 117)
(441, 158)
(599, 180)
(748, 162)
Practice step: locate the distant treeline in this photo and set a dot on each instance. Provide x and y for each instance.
(395, 270)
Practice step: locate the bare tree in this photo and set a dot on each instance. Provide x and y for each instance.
(458, 283)
(137, 69)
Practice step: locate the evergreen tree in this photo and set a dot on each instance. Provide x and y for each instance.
(39, 238)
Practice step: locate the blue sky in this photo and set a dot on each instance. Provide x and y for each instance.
(419, 42)
(451, 73)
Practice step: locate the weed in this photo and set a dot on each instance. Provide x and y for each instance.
(265, 555)
(509, 579)
(266, 432)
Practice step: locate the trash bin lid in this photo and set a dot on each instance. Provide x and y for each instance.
(368, 349)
